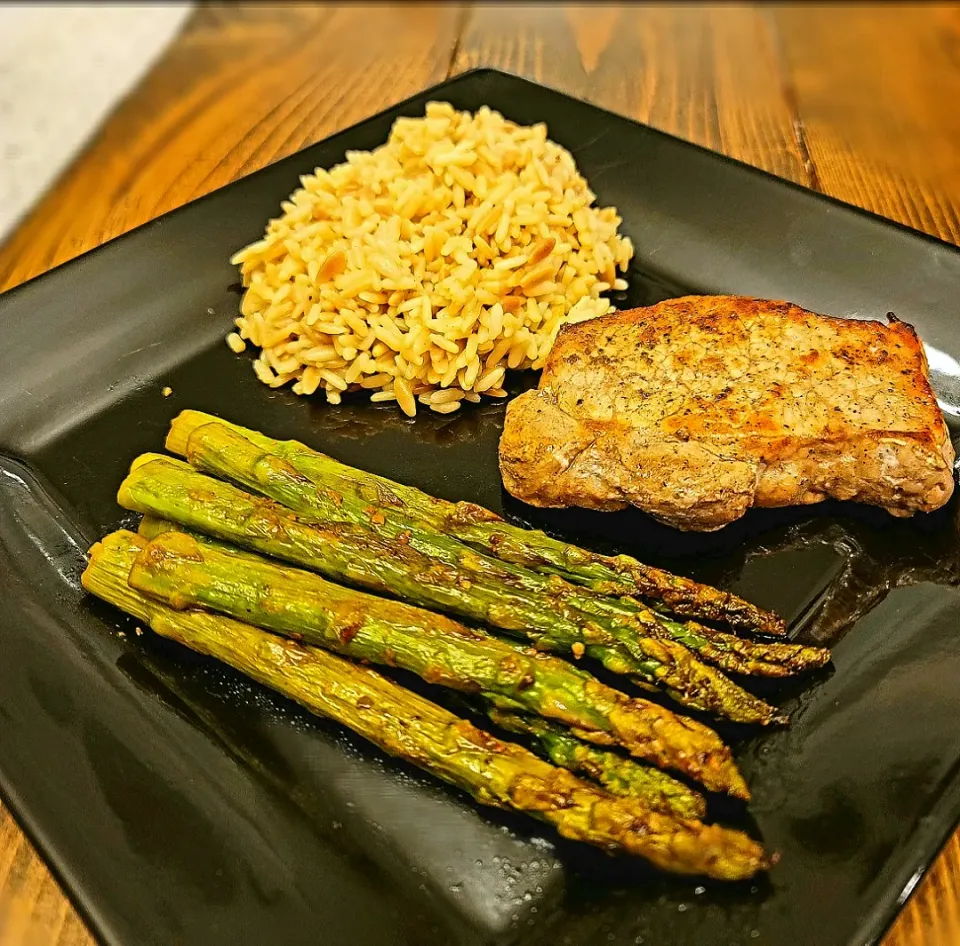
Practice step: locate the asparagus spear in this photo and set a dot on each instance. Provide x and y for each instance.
(218, 449)
(177, 569)
(620, 776)
(483, 529)
(433, 571)
(727, 651)
(408, 726)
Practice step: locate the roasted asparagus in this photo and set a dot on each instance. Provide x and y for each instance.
(483, 529)
(221, 450)
(411, 727)
(433, 571)
(619, 775)
(180, 570)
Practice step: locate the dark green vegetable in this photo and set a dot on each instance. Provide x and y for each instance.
(221, 450)
(433, 571)
(618, 775)
(410, 727)
(483, 529)
(183, 572)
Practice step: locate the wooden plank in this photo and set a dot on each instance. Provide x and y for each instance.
(706, 73)
(932, 915)
(876, 89)
(33, 910)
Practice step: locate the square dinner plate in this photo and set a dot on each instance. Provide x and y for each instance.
(178, 803)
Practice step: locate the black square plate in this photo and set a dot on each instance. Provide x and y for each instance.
(179, 804)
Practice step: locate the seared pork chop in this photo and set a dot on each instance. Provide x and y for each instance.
(698, 408)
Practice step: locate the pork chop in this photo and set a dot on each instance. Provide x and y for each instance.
(698, 408)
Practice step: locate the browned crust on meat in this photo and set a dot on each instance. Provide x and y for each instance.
(699, 407)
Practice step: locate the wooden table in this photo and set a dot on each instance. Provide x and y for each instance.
(857, 102)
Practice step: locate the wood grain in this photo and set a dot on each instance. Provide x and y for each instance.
(857, 101)
(33, 911)
(881, 124)
(706, 73)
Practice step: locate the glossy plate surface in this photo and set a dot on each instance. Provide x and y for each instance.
(180, 804)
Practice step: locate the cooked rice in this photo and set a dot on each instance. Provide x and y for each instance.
(425, 269)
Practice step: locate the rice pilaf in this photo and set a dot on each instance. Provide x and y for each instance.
(425, 269)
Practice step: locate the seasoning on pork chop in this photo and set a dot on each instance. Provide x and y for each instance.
(698, 408)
